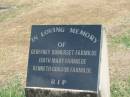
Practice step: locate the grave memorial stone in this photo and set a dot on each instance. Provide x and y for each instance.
(64, 61)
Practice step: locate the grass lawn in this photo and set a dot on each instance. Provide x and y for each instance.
(12, 89)
(120, 88)
(123, 39)
(16, 20)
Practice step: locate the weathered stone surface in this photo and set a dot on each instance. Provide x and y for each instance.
(32, 92)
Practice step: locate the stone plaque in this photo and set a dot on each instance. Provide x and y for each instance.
(64, 58)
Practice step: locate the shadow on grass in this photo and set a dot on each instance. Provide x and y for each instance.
(7, 13)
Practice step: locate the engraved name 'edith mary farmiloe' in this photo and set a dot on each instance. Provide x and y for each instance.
(64, 57)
